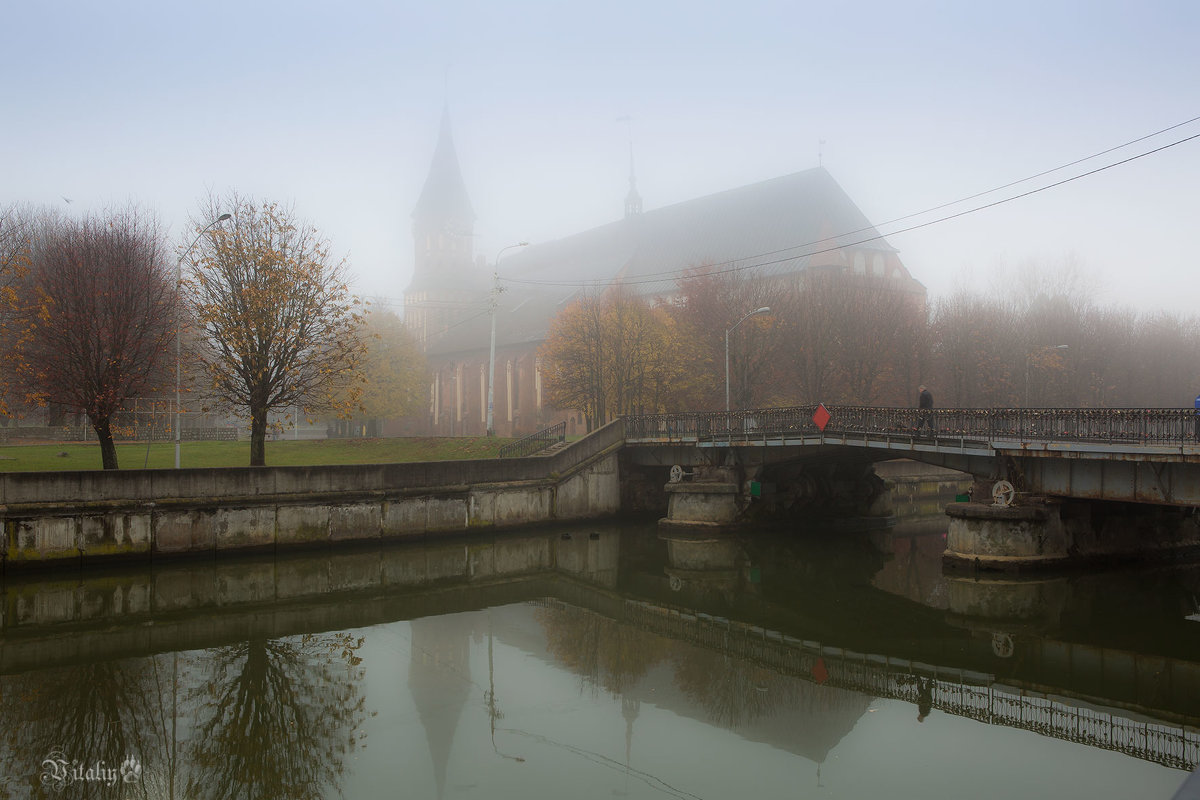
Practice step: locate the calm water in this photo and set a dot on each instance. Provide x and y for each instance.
(601, 662)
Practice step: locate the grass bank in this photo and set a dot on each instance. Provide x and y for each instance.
(161, 455)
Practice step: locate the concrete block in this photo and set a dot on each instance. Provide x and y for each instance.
(115, 534)
(302, 524)
(521, 505)
(446, 513)
(571, 500)
(43, 538)
(245, 527)
(184, 531)
(404, 516)
(481, 506)
(358, 521)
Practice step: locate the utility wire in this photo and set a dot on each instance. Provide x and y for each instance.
(661, 277)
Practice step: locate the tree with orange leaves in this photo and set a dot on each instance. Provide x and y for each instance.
(278, 327)
(614, 354)
(95, 316)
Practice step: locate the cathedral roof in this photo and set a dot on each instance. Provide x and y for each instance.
(775, 227)
(778, 226)
(444, 196)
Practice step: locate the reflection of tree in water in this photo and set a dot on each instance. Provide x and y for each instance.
(276, 718)
(732, 691)
(607, 653)
(99, 713)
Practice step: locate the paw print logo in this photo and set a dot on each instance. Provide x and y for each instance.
(131, 770)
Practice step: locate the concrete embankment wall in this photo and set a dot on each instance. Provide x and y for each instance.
(69, 516)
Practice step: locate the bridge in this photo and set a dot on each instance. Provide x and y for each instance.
(1040, 458)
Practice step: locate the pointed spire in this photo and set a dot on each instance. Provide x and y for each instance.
(444, 197)
(633, 200)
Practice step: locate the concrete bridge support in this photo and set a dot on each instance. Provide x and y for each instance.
(1048, 532)
(719, 498)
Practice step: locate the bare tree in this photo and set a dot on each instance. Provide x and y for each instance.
(279, 327)
(96, 316)
(710, 303)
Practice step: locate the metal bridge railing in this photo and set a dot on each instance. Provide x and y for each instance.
(535, 442)
(1163, 426)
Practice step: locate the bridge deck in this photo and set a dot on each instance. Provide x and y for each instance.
(1131, 455)
(1123, 434)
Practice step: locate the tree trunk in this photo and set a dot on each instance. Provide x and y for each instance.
(108, 450)
(258, 437)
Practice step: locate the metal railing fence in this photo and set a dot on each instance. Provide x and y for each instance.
(1168, 426)
(535, 442)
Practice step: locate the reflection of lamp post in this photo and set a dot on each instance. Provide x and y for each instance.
(746, 316)
(178, 346)
(491, 430)
(1029, 356)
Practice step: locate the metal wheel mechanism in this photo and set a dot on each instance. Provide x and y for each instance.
(1003, 494)
(676, 473)
(1002, 645)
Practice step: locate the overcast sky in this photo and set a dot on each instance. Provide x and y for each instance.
(335, 108)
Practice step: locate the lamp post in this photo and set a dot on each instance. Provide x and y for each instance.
(178, 341)
(1029, 356)
(746, 316)
(491, 428)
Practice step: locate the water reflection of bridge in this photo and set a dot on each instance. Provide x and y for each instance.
(955, 691)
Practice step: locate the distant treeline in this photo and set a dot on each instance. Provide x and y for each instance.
(833, 338)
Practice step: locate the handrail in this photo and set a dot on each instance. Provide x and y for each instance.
(1145, 426)
(535, 442)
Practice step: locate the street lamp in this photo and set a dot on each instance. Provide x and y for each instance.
(1029, 356)
(178, 343)
(491, 428)
(746, 316)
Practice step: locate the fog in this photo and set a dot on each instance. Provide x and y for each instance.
(336, 110)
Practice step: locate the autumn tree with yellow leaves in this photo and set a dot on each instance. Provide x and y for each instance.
(15, 235)
(278, 328)
(393, 372)
(613, 354)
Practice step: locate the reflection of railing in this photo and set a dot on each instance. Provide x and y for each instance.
(535, 442)
(959, 692)
(1123, 425)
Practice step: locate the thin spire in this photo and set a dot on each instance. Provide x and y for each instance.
(444, 196)
(633, 200)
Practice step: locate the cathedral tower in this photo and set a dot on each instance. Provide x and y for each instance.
(444, 278)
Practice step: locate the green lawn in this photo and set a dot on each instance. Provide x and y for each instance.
(28, 458)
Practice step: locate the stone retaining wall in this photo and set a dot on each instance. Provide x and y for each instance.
(65, 517)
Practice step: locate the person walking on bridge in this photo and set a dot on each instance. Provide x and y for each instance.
(1198, 418)
(925, 410)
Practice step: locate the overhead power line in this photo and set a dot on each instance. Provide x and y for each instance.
(735, 265)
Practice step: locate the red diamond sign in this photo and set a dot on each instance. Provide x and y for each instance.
(821, 417)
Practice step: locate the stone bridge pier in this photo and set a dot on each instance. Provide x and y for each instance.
(705, 497)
